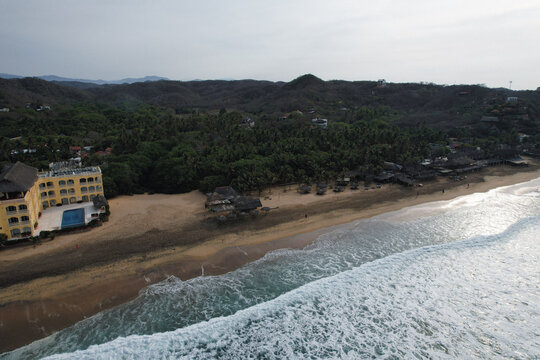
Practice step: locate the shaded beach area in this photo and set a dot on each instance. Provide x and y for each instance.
(150, 237)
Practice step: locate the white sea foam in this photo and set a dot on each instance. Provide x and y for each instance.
(463, 300)
(528, 188)
(262, 303)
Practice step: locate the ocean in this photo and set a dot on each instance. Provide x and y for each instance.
(456, 279)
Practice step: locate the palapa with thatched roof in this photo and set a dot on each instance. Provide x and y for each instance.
(17, 179)
(404, 180)
(246, 203)
(321, 188)
(100, 202)
(384, 176)
(225, 198)
(222, 195)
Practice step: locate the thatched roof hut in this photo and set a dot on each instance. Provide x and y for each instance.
(517, 162)
(100, 202)
(247, 203)
(17, 178)
(226, 192)
(404, 180)
(222, 195)
(384, 177)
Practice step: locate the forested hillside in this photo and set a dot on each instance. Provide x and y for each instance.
(169, 136)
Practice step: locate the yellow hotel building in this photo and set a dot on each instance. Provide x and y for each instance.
(25, 193)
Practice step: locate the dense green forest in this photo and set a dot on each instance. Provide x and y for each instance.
(170, 149)
(155, 150)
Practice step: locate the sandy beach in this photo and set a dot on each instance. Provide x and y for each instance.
(50, 286)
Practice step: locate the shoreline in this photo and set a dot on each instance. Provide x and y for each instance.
(56, 301)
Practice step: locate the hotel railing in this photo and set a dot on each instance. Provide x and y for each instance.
(12, 201)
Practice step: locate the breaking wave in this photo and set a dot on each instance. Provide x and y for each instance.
(452, 279)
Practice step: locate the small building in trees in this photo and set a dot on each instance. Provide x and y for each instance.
(322, 123)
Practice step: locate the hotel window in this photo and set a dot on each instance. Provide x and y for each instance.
(25, 218)
(92, 197)
(71, 182)
(23, 207)
(15, 233)
(98, 188)
(65, 201)
(11, 209)
(72, 200)
(63, 192)
(51, 193)
(42, 185)
(90, 180)
(62, 183)
(44, 194)
(85, 198)
(52, 202)
(50, 184)
(84, 189)
(13, 220)
(26, 231)
(45, 204)
(71, 191)
(91, 189)
(98, 179)
(82, 181)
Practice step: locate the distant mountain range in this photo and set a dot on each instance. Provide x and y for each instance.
(97, 82)
(407, 103)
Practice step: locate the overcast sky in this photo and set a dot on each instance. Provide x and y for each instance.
(447, 42)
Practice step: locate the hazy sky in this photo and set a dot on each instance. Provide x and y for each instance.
(446, 42)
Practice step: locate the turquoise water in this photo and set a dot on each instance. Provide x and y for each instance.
(450, 280)
(72, 218)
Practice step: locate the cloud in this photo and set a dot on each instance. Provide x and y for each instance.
(471, 41)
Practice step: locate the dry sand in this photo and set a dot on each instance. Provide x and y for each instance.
(149, 237)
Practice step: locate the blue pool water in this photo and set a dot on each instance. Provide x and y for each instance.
(72, 218)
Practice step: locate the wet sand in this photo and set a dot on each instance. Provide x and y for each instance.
(149, 237)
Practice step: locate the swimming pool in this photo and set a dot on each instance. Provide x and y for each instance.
(72, 218)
